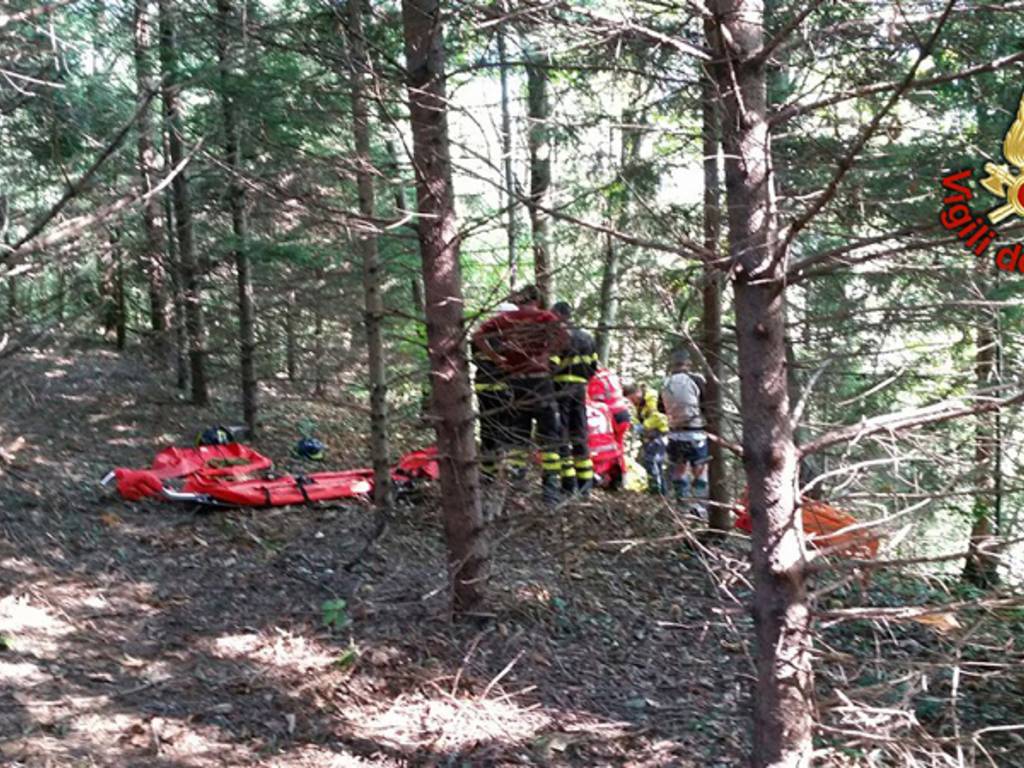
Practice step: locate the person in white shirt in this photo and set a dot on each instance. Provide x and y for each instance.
(681, 400)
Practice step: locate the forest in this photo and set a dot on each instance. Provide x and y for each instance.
(277, 231)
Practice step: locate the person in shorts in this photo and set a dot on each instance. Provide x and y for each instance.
(681, 400)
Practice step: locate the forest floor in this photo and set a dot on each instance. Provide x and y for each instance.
(147, 634)
(152, 635)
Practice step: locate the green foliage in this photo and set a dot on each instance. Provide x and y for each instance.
(348, 657)
(335, 614)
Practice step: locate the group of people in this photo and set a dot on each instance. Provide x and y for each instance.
(535, 371)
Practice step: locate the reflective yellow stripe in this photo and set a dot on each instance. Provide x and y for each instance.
(570, 472)
(585, 468)
(550, 462)
(517, 458)
(566, 378)
(556, 359)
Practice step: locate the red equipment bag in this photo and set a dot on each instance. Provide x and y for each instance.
(417, 465)
(229, 460)
(137, 484)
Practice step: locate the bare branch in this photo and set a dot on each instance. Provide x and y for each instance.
(848, 160)
(76, 187)
(789, 111)
(907, 419)
(31, 13)
(761, 56)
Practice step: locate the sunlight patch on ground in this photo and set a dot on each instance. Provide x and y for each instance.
(321, 758)
(412, 722)
(18, 615)
(130, 442)
(532, 593)
(282, 650)
(77, 398)
(126, 739)
(20, 673)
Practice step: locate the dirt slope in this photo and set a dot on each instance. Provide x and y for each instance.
(150, 635)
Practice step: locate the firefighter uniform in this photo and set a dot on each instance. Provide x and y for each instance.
(493, 399)
(572, 370)
(521, 343)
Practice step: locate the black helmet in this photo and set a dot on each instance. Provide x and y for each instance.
(215, 436)
(309, 448)
(563, 310)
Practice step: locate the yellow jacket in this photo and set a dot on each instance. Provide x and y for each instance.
(648, 414)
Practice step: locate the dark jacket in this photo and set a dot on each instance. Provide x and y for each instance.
(578, 362)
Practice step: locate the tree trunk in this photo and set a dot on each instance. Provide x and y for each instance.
(609, 301)
(981, 567)
(785, 686)
(12, 301)
(229, 59)
(319, 383)
(290, 346)
(120, 299)
(177, 295)
(617, 216)
(374, 303)
(62, 293)
(194, 329)
(442, 280)
(5, 236)
(506, 155)
(151, 257)
(106, 288)
(711, 319)
(395, 176)
(539, 110)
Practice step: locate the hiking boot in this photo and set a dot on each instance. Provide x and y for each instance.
(551, 493)
(682, 489)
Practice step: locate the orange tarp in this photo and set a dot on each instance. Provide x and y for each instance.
(824, 526)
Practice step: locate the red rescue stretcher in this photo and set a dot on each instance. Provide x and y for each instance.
(226, 475)
(282, 491)
(220, 475)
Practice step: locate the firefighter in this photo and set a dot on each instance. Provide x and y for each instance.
(521, 343)
(572, 370)
(653, 428)
(493, 405)
(604, 387)
(682, 394)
